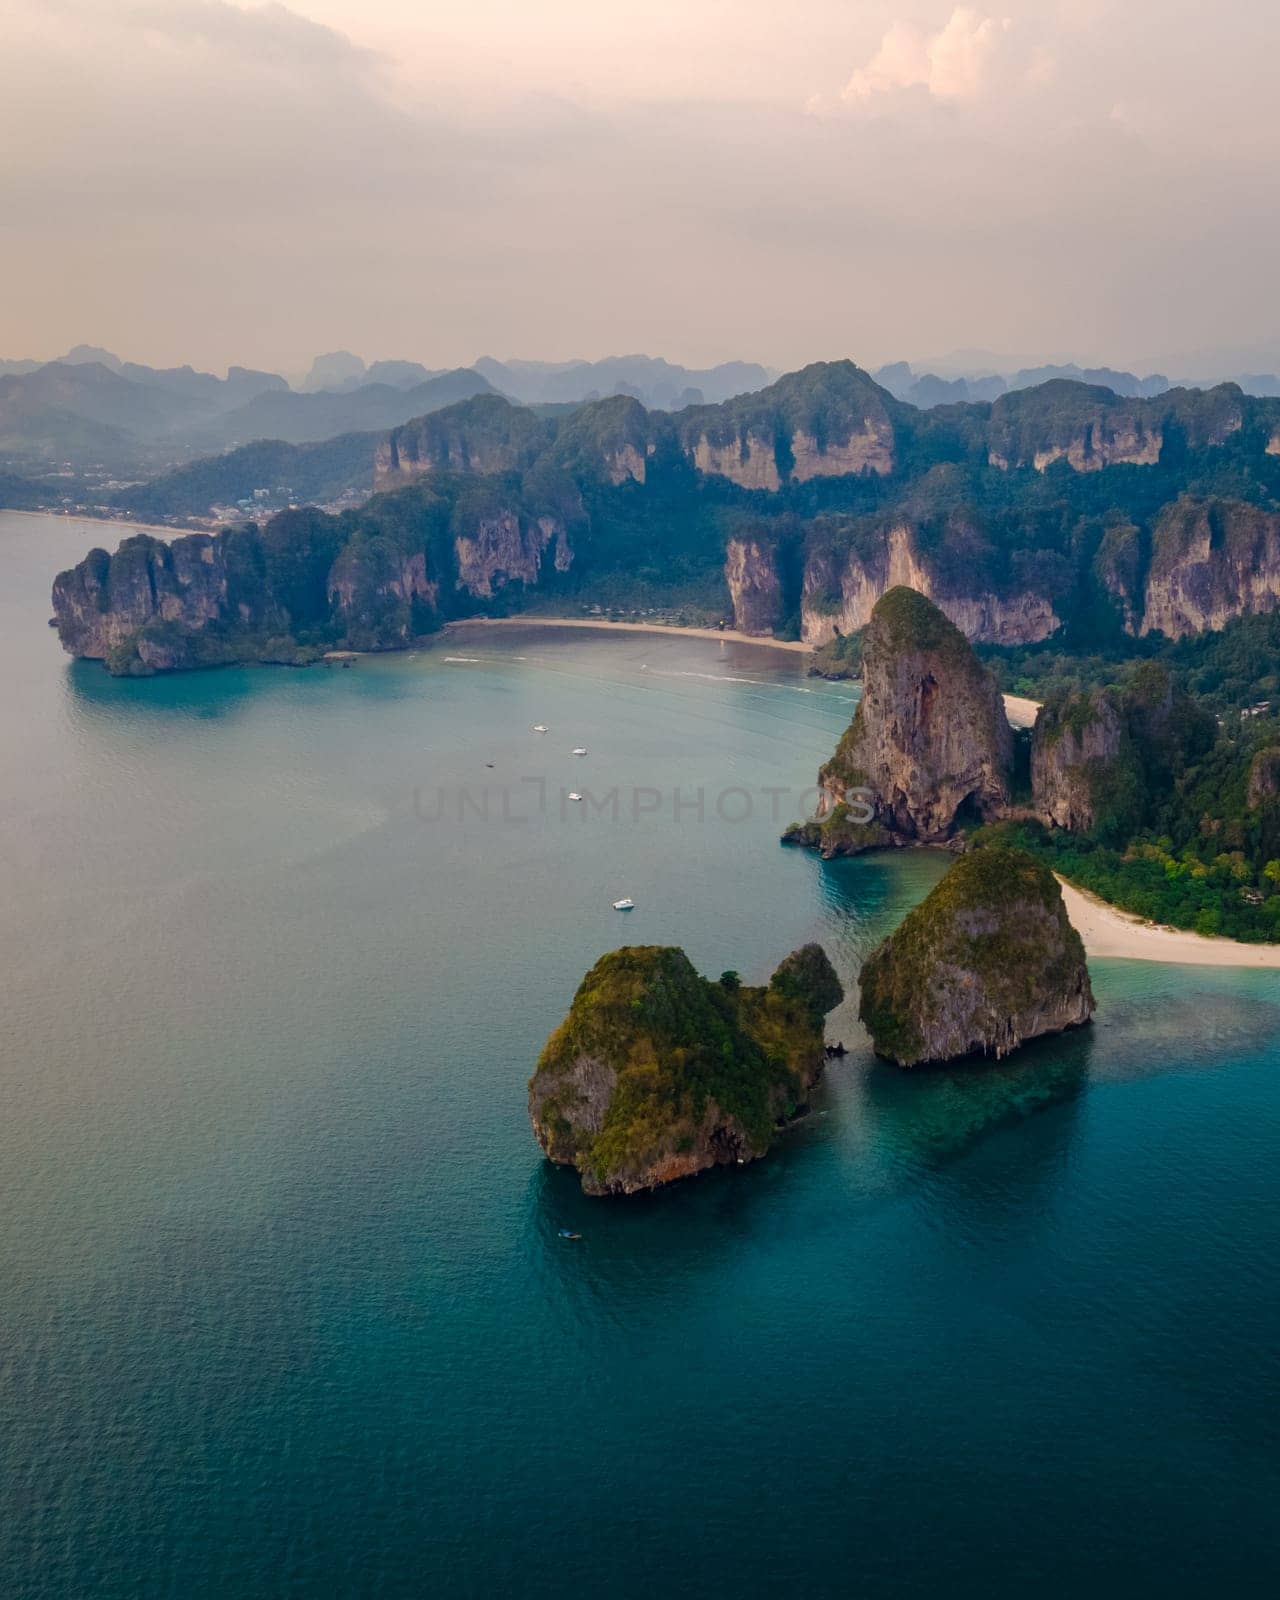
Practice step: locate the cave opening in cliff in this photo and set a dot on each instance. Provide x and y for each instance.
(969, 813)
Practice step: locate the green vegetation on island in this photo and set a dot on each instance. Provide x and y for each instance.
(657, 1073)
(1175, 818)
(987, 961)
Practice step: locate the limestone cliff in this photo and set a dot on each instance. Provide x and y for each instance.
(755, 585)
(842, 587)
(1100, 758)
(380, 595)
(1211, 562)
(929, 739)
(1091, 428)
(485, 497)
(104, 599)
(657, 1073)
(829, 420)
(306, 581)
(141, 608)
(746, 459)
(1079, 746)
(506, 548)
(868, 449)
(1264, 778)
(484, 435)
(609, 440)
(1118, 568)
(987, 961)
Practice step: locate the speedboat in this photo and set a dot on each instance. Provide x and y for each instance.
(541, 727)
(581, 750)
(568, 1233)
(574, 795)
(625, 904)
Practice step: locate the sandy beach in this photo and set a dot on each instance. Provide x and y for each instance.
(600, 625)
(1110, 933)
(125, 527)
(1020, 711)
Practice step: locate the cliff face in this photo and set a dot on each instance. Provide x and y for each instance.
(755, 586)
(829, 420)
(987, 961)
(1075, 748)
(930, 734)
(380, 595)
(1264, 778)
(748, 461)
(498, 497)
(657, 1074)
(866, 449)
(1118, 569)
(107, 600)
(1211, 562)
(1091, 428)
(610, 440)
(1099, 758)
(505, 548)
(483, 436)
(302, 583)
(840, 593)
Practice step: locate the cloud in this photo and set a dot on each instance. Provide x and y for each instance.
(957, 62)
(213, 181)
(266, 33)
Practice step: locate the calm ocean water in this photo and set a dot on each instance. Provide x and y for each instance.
(282, 1306)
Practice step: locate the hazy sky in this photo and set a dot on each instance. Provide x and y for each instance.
(216, 181)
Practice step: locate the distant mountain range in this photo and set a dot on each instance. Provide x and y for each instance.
(660, 385)
(128, 421)
(81, 429)
(91, 413)
(927, 389)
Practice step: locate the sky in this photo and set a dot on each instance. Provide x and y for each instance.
(218, 181)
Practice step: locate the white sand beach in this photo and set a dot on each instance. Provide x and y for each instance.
(1020, 711)
(601, 625)
(1108, 932)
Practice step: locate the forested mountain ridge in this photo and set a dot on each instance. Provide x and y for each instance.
(1064, 513)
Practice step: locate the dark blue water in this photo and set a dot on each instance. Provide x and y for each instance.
(282, 1305)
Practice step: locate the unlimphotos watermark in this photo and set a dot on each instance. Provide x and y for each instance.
(531, 798)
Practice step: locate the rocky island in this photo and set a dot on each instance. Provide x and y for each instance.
(929, 745)
(657, 1073)
(987, 961)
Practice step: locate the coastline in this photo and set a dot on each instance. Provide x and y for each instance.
(1020, 711)
(602, 625)
(160, 529)
(1110, 933)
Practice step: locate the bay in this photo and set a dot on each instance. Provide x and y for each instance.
(283, 1309)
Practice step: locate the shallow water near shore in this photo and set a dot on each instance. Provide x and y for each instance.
(283, 1308)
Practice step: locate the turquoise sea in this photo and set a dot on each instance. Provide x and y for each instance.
(283, 1310)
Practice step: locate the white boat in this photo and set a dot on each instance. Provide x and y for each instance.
(541, 727)
(574, 795)
(581, 750)
(625, 904)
